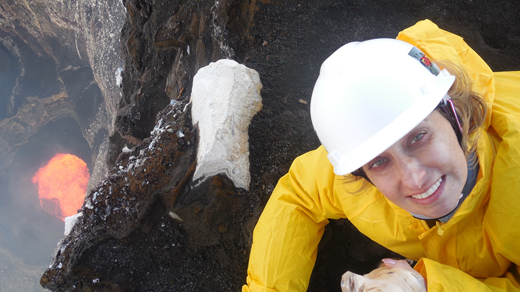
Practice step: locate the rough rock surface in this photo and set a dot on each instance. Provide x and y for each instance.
(164, 43)
(225, 96)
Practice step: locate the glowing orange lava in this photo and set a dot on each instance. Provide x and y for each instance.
(62, 185)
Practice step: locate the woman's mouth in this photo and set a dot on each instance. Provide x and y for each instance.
(429, 192)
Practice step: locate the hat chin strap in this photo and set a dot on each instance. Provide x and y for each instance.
(444, 218)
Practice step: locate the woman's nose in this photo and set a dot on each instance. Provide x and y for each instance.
(412, 173)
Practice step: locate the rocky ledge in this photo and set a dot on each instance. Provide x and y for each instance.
(146, 226)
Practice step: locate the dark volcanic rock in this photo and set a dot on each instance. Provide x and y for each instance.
(127, 240)
(157, 169)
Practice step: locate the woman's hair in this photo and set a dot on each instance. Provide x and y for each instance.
(471, 108)
(471, 111)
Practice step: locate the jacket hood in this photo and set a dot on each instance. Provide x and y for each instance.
(452, 48)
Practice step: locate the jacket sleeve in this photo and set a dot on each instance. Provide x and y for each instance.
(287, 234)
(503, 212)
(444, 278)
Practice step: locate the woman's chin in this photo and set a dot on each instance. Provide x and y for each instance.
(439, 212)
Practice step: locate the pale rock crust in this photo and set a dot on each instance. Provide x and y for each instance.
(225, 97)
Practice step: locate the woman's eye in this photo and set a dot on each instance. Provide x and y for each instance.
(416, 138)
(379, 162)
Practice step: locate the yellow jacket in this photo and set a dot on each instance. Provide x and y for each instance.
(471, 252)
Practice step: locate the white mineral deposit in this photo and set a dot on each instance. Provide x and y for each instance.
(225, 97)
(70, 222)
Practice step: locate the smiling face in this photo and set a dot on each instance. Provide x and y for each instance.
(425, 171)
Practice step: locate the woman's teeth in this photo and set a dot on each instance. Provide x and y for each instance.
(429, 192)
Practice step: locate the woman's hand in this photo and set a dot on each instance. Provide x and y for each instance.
(403, 264)
(395, 275)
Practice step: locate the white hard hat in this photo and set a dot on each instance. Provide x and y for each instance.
(369, 95)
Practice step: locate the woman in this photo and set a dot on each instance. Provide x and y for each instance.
(439, 188)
